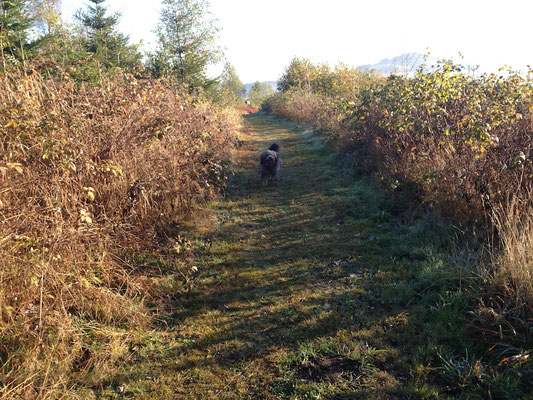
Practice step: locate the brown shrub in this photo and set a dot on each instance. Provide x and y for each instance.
(300, 105)
(89, 176)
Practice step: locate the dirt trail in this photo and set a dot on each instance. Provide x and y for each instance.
(306, 290)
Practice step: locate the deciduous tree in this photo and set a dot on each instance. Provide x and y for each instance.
(231, 86)
(259, 92)
(47, 15)
(300, 73)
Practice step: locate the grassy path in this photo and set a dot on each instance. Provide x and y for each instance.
(310, 289)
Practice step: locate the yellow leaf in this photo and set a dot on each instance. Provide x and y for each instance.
(8, 310)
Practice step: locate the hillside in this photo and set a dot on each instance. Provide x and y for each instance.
(406, 62)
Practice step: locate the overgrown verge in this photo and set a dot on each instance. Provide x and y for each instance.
(458, 145)
(91, 177)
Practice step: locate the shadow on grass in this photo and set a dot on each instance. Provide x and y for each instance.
(307, 259)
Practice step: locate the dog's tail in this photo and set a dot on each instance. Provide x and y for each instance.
(274, 147)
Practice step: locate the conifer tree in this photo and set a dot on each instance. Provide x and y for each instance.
(186, 43)
(108, 46)
(15, 30)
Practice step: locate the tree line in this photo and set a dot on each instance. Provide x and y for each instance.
(33, 34)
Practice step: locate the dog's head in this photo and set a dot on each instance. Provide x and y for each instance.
(269, 158)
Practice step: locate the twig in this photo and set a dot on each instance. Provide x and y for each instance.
(41, 300)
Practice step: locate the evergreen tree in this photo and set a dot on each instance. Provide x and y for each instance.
(66, 49)
(186, 36)
(108, 46)
(15, 30)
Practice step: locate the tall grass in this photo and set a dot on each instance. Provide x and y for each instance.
(513, 265)
(90, 176)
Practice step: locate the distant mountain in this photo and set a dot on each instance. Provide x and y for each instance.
(248, 86)
(406, 63)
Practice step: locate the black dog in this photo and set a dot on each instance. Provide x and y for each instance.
(270, 163)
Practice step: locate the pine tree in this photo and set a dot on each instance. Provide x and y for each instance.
(187, 42)
(108, 46)
(15, 29)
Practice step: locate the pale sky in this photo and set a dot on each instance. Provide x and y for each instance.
(261, 37)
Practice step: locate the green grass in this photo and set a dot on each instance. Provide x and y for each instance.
(313, 289)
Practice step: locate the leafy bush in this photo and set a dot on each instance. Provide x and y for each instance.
(300, 105)
(340, 82)
(463, 141)
(460, 145)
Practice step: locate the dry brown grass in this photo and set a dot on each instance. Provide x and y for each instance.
(89, 177)
(513, 265)
(503, 316)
